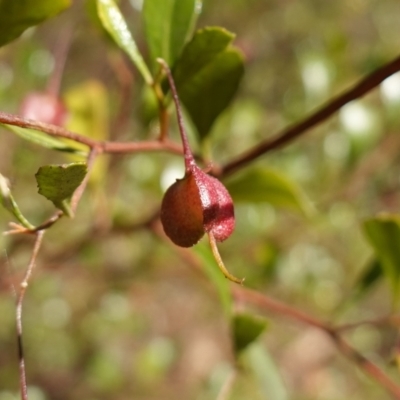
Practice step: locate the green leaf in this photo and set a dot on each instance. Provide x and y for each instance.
(207, 76)
(10, 204)
(258, 185)
(45, 140)
(18, 15)
(215, 276)
(58, 182)
(383, 232)
(114, 23)
(264, 368)
(246, 328)
(168, 24)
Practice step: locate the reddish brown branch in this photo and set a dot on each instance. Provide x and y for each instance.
(18, 313)
(287, 135)
(51, 130)
(81, 188)
(366, 365)
(269, 305)
(102, 147)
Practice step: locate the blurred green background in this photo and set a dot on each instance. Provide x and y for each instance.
(120, 313)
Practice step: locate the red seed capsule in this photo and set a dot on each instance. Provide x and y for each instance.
(196, 204)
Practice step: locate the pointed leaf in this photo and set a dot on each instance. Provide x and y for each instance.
(258, 185)
(115, 25)
(213, 272)
(168, 24)
(383, 232)
(58, 182)
(207, 76)
(18, 15)
(44, 140)
(246, 328)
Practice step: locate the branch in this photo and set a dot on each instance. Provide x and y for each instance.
(18, 314)
(267, 304)
(102, 147)
(81, 188)
(292, 132)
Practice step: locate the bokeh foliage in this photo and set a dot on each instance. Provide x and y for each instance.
(114, 314)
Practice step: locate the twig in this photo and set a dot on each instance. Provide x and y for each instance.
(81, 188)
(125, 80)
(287, 135)
(60, 57)
(52, 130)
(102, 147)
(271, 305)
(18, 313)
(366, 365)
(389, 320)
(51, 221)
(267, 303)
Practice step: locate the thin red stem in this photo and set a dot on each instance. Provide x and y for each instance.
(284, 137)
(189, 159)
(102, 147)
(268, 304)
(18, 314)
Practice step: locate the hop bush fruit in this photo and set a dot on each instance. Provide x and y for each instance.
(198, 203)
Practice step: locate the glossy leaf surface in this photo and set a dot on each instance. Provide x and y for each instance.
(115, 24)
(207, 76)
(168, 24)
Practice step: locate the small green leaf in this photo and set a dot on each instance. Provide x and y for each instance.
(44, 140)
(246, 328)
(168, 24)
(58, 182)
(258, 185)
(207, 76)
(10, 204)
(18, 15)
(383, 232)
(115, 25)
(220, 282)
